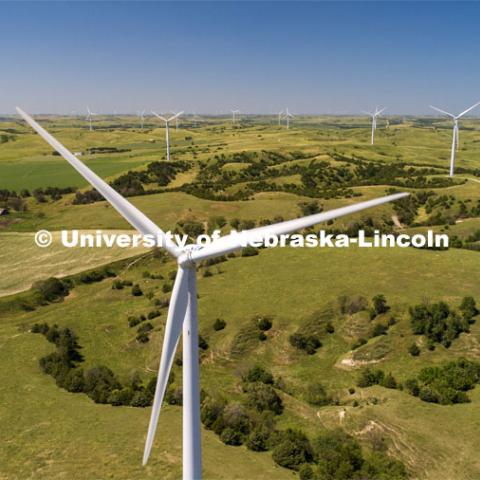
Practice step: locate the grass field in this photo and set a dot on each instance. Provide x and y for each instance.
(54, 434)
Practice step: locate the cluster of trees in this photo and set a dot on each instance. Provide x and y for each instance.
(446, 384)
(99, 383)
(93, 150)
(55, 193)
(332, 455)
(94, 276)
(440, 323)
(51, 290)
(131, 183)
(375, 376)
(119, 284)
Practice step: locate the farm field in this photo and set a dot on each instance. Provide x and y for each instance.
(224, 177)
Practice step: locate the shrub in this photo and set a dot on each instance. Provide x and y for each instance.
(219, 324)
(339, 455)
(257, 440)
(380, 304)
(264, 323)
(264, 397)
(133, 321)
(379, 329)
(308, 343)
(174, 396)
(210, 411)
(142, 338)
(136, 290)
(51, 289)
(305, 472)
(389, 381)
(259, 374)
(117, 285)
(468, 308)
(293, 450)
(369, 377)
(231, 437)
(153, 314)
(202, 343)
(413, 350)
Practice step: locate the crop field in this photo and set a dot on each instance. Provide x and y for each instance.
(237, 176)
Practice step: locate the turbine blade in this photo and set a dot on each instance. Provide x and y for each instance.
(130, 213)
(380, 111)
(442, 111)
(175, 116)
(467, 110)
(160, 117)
(173, 328)
(235, 241)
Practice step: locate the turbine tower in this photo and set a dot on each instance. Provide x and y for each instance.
(280, 113)
(167, 129)
(455, 119)
(182, 313)
(234, 113)
(374, 116)
(89, 116)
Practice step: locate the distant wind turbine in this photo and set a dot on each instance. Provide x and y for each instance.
(374, 116)
(89, 116)
(288, 116)
(280, 113)
(455, 119)
(182, 313)
(167, 129)
(176, 119)
(141, 114)
(234, 113)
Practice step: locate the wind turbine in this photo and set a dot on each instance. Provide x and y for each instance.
(288, 116)
(142, 117)
(167, 129)
(89, 116)
(280, 113)
(455, 119)
(176, 120)
(182, 312)
(234, 113)
(374, 116)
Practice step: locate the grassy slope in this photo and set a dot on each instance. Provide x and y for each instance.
(300, 281)
(54, 434)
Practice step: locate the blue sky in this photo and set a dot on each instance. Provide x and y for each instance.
(314, 57)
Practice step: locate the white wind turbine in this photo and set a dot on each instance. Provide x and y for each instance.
(455, 119)
(89, 116)
(141, 114)
(234, 113)
(167, 129)
(176, 120)
(280, 113)
(288, 116)
(374, 116)
(182, 312)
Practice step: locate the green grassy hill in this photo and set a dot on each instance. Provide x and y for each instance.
(252, 172)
